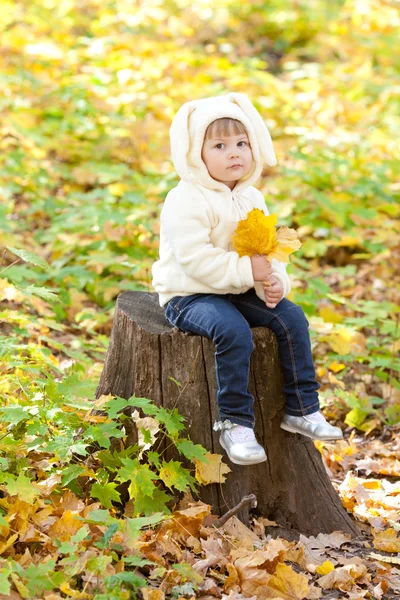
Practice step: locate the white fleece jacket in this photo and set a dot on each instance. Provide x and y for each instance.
(200, 214)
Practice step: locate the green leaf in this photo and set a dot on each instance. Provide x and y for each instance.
(41, 292)
(146, 505)
(5, 585)
(172, 421)
(79, 448)
(114, 459)
(23, 487)
(30, 257)
(175, 476)
(190, 450)
(98, 563)
(137, 561)
(128, 469)
(103, 433)
(356, 417)
(14, 414)
(100, 517)
(3, 521)
(154, 458)
(134, 579)
(105, 493)
(75, 386)
(142, 480)
(134, 526)
(185, 590)
(42, 577)
(70, 473)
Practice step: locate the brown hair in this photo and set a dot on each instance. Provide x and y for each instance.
(224, 127)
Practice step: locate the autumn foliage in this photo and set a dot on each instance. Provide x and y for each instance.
(89, 90)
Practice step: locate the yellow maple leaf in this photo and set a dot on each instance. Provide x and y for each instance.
(66, 527)
(287, 583)
(257, 234)
(212, 471)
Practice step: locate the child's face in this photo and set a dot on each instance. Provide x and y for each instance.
(220, 154)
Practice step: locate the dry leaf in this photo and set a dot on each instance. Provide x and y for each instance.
(343, 578)
(395, 560)
(287, 583)
(48, 485)
(152, 594)
(212, 471)
(151, 426)
(387, 541)
(65, 527)
(238, 530)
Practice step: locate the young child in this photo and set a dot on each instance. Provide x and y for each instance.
(219, 146)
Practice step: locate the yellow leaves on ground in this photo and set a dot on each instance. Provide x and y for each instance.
(286, 584)
(152, 594)
(64, 528)
(387, 541)
(186, 522)
(212, 471)
(257, 235)
(8, 543)
(345, 341)
(344, 578)
(259, 574)
(329, 315)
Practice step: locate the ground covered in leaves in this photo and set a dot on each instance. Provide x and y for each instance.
(89, 91)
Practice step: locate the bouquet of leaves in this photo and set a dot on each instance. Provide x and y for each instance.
(257, 234)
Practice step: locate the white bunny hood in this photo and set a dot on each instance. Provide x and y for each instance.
(187, 135)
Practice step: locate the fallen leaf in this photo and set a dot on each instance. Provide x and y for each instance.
(343, 578)
(152, 594)
(287, 583)
(387, 540)
(211, 471)
(325, 568)
(65, 527)
(395, 560)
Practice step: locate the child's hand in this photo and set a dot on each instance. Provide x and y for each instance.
(273, 292)
(261, 267)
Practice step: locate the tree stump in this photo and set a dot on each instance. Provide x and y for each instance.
(145, 352)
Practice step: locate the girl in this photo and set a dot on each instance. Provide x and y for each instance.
(219, 146)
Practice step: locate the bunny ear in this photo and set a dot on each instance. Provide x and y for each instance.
(260, 128)
(179, 136)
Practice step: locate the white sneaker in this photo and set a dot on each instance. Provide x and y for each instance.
(314, 426)
(240, 443)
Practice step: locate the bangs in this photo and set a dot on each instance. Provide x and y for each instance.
(224, 127)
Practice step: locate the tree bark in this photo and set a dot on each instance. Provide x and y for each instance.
(145, 353)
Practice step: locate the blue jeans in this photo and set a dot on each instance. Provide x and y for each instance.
(227, 319)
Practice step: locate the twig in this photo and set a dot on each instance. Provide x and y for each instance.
(250, 499)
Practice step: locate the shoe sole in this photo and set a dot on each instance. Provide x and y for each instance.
(306, 434)
(238, 462)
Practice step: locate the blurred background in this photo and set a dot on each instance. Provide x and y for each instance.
(88, 92)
